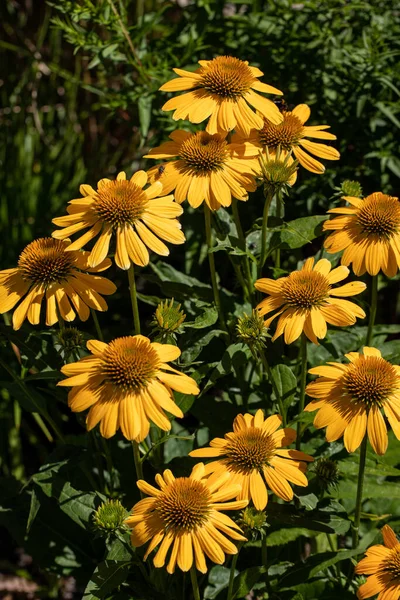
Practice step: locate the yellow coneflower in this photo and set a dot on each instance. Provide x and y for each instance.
(382, 564)
(48, 270)
(290, 135)
(306, 301)
(138, 217)
(222, 89)
(126, 384)
(185, 515)
(351, 397)
(207, 168)
(369, 233)
(254, 456)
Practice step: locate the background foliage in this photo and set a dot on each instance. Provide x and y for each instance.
(79, 101)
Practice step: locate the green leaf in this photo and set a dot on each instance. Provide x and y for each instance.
(144, 110)
(245, 581)
(286, 383)
(218, 580)
(33, 510)
(234, 357)
(329, 518)
(285, 536)
(107, 576)
(299, 232)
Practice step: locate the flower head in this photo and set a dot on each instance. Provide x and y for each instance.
(350, 399)
(382, 565)
(327, 472)
(278, 171)
(253, 454)
(369, 233)
(206, 168)
(290, 135)
(251, 329)
(168, 316)
(222, 89)
(185, 514)
(139, 218)
(110, 516)
(48, 269)
(126, 384)
(306, 301)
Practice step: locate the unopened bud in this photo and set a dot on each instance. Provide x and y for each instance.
(109, 516)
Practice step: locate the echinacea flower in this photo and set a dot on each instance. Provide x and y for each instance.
(206, 168)
(254, 456)
(185, 515)
(291, 135)
(306, 301)
(382, 565)
(48, 271)
(139, 218)
(222, 89)
(350, 399)
(126, 384)
(369, 233)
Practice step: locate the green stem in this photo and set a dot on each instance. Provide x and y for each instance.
(303, 379)
(242, 245)
(360, 486)
(232, 572)
(372, 312)
(217, 299)
(195, 585)
(264, 230)
(138, 462)
(273, 383)
(264, 560)
(132, 291)
(278, 214)
(97, 325)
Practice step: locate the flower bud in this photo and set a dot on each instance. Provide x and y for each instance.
(109, 516)
(168, 316)
(327, 472)
(278, 171)
(251, 329)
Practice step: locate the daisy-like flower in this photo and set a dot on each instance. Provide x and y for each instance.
(350, 399)
(138, 217)
(222, 89)
(185, 514)
(48, 270)
(206, 168)
(369, 233)
(382, 564)
(291, 135)
(126, 384)
(306, 301)
(254, 456)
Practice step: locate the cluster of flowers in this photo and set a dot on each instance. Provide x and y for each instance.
(128, 382)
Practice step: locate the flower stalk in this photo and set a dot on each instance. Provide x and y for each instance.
(372, 312)
(133, 293)
(303, 380)
(195, 583)
(214, 282)
(360, 487)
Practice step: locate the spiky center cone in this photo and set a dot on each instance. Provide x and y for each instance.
(184, 505)
(120, 202)
(130, 364)
(305, 289)
(379, 215)
(286, 135)
(204, 153)
(248, 450)
(227, 77)
(371, 380)
(45, 261)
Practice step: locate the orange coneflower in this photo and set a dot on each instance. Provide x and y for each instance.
(291, 136)
(126, 384)
(351, 397)
(206, 168)
(222, 88)
(254, 456)
(306, 301)
(49, 271)
(382, 565)
(137, 217)
(369, 233)
(185, 515)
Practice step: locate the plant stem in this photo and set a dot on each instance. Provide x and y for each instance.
(242, 245)
(97, 325)
(303, 379)
(278, 214)
(263, 255)
(273, 383)
(372, 312)
(232, 572)
(360, 486)
(217, 299)
(138, 462)
(132, 291)
(195, 585)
